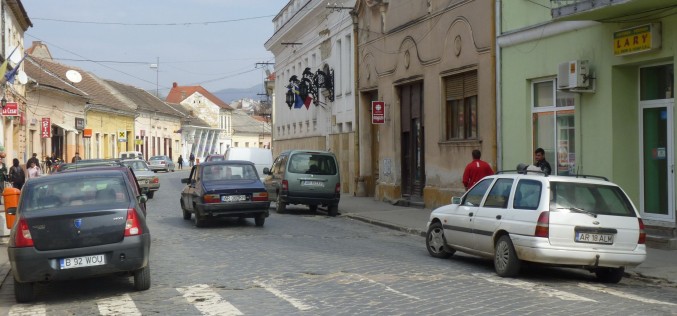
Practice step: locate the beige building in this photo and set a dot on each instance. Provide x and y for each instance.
(432, 66)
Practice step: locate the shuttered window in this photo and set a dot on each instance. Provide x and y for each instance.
(461, 106)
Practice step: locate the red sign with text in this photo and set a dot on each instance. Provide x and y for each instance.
(378, 112)
(11, 109)
(46, 128)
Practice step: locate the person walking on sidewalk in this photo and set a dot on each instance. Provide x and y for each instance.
(180, 161)
(475, 170)
(33, 170)
(17, 175)
(539, 157)
(191, 159)
(33, 159)
(76, 158)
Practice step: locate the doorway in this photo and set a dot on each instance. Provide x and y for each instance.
(413, 136)
(656, 117)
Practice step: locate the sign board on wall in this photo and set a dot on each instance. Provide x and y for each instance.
(378, 112)
(46, 128)
(87, 133)
(637, 39)
(11, 109)
(122, 136)
(79, 123)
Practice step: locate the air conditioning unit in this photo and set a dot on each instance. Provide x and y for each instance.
(574, 75)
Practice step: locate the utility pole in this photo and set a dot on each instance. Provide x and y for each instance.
(156, 66)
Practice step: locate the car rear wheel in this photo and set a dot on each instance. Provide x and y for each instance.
(436, 243)
(197, 219)
(260, 220)
(186, 215)
(610, 275)
(23, 292)
(506, 262)
(280, 206)
(312, 208)
(150, 194)
(333, 210)
(142, 279)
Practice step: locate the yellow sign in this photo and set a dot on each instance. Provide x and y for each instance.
(637, 39)
(122, 136)
(138, 141)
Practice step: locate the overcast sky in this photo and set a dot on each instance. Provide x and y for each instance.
(206, 46)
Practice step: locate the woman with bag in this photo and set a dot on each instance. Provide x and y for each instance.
(16, 174)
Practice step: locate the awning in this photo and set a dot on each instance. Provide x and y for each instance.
(66, 128)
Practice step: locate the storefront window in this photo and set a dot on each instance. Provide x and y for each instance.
(553, 126)
(656, 83)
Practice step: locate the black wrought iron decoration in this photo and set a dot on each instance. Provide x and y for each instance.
(311, 84)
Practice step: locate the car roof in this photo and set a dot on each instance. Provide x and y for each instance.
(83, 173)
(581, 178)
(307, 151)
(226, 162)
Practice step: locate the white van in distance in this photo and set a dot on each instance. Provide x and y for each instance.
(261, 157)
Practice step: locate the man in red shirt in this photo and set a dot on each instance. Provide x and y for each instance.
(475, 170)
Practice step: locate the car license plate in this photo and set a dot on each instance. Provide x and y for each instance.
(143, 181)
(312, 183)
(594, 238)
(85, 261)
(233, 198)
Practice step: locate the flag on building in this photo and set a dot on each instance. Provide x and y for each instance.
(298, 100)
(10, 75)
(3, 67)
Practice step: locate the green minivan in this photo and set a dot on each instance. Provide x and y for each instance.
(308, 177)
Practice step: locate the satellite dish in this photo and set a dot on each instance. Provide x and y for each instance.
(22, 77)
(73, 76)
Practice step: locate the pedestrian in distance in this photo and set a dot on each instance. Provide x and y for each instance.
(76, 157)
(4, 177)
(33, 159)
(540, 162)
(17, 175)
(180, 161)
(191, 159)
(33, 170)
(476, 170)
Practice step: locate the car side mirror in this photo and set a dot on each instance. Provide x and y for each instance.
(143, 198)
(455, 200)
(266, 170)
(185, 180)
(11, 211)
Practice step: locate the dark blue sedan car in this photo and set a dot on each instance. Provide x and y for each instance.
(228, 188)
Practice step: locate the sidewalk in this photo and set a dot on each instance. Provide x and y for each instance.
(659, 264)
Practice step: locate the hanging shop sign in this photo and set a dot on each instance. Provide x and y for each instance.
(46, 128)
(11, 109)
(87, 133)
(122, 136)
(637, 39)
(79, 123)
(378, 112)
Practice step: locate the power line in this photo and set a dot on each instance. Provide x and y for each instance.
(155, 24)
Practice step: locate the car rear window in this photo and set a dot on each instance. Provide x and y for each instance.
(216, 158)
(157, 158)
(310, 163)
(229, 172)
(594, 198)
(108, 192)
(137, 165)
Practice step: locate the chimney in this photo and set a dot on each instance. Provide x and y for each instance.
(174, 85)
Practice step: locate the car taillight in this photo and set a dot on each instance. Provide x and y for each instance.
(642, 233)
(338, 188)
(211, 198)
(163, 162)
(132, 227)
(543, 225)
(156, 180)
(260, 196)
(285, 185)
(23, 235)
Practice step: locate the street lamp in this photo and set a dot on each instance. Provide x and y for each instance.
(3, 102)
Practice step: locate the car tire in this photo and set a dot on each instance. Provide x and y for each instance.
(142, 279)
(436, 243)
(333, 210)
(23, 292)
(610, 275)
(154, 171)
(313, 207)
(280, 207)
(506, 262)
(186, 215)
(199, 220)
(150, 194)
(260, 220)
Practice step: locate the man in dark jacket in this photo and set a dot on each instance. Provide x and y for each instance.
(33, 159)
(539, 157)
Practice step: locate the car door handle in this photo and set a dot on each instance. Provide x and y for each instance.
(471, 214)
(498, 216)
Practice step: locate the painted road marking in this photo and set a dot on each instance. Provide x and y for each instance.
(28, 310)
(532, 287)
(633, 297)
(207, 300)
(118, 305)
(387, 288)
(294, 302)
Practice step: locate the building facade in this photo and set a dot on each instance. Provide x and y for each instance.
(426, 81)
(594, 86)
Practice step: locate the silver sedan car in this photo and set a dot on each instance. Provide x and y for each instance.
(164, 163)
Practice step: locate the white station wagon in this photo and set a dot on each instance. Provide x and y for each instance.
(572, 221)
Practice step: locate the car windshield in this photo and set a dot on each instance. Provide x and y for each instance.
(136, 165)
(229, 172)
(310, 163)
(105, 192)
(157, 158)
(588, 198)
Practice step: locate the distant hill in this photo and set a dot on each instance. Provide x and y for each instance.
(229, 95)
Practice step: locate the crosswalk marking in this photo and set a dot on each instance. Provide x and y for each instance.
(294, 302)
(533, 287)
(633, 297)
(208, 301)
(118, 305)
(28, 310)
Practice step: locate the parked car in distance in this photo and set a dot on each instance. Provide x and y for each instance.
(214, 158)
(570, 221)
(76, 225)
(306, 177)
(131, 155)
(224, 189)
(86, 163)
(147, 179)
(261, 157)
(164, 163)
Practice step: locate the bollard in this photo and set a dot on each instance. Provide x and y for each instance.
(11, 196)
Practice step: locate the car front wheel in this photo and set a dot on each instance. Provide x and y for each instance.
(142, 279)
(435, 242)
(506, 262)
(23, 292)
(610, 275)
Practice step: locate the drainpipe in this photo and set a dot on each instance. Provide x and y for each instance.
(499, 115)
(359, 185)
